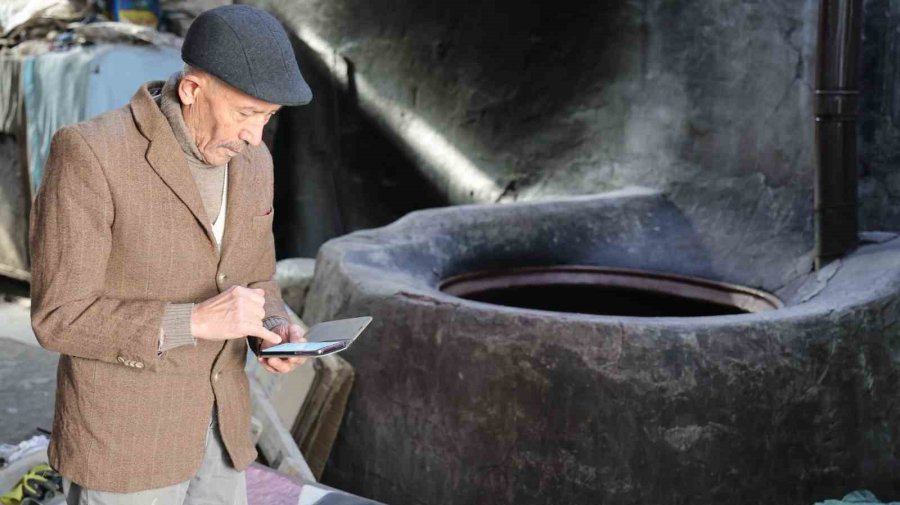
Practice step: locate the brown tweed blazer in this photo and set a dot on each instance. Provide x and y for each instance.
(118, 229)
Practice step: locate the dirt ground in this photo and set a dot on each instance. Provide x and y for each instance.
(27, 372)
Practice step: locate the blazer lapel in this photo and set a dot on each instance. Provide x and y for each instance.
(166, 157)
(241, 184)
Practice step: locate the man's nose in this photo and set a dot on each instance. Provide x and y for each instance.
(252, 134)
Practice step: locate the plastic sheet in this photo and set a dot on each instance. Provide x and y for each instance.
(267, 487)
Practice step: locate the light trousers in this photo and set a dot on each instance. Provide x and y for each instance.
(216, 483)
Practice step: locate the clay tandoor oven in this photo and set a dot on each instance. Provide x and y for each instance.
(588, 351)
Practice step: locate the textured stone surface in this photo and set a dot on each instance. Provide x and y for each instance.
(461, 402)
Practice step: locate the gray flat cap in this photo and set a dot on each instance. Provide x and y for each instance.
(247, 48)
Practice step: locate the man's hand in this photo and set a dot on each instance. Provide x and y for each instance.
(291, 333)
(234, 313)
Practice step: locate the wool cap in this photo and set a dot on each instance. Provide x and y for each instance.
(247, 48)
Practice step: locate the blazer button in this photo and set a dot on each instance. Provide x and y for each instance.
(221, 278)
(121, 359)
(216, 377)
(139, 365)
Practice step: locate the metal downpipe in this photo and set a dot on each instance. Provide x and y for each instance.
(836, 108)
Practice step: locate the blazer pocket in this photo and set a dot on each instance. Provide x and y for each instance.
(262, 223)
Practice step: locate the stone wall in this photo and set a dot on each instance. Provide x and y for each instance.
(709, 102)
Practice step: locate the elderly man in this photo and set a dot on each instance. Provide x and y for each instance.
(152, 260)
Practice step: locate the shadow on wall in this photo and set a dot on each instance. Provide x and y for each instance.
(335, 172)
(879, 117)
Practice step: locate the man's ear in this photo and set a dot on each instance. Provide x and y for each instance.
(188, 88)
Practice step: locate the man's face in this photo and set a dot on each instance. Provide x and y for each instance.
(222, 119)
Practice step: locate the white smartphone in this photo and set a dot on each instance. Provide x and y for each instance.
(323, 339)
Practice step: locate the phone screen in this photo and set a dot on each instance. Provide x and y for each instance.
(324, 338)
(301, 348)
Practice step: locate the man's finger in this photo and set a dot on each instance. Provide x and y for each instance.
(279, 365)
(267, 367)
(268, 336)
(283, 366)
(296, 334)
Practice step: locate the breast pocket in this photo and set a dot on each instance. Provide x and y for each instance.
(257, 235)
(263, 223)
(253, 253)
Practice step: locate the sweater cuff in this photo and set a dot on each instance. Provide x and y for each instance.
(176, 327)
(272, 322)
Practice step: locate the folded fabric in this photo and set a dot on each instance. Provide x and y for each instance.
(862, 497)
(124, 33)
(10, 453)
(16, 13)
(11, 104)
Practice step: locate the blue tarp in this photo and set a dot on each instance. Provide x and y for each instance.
(62, 88)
